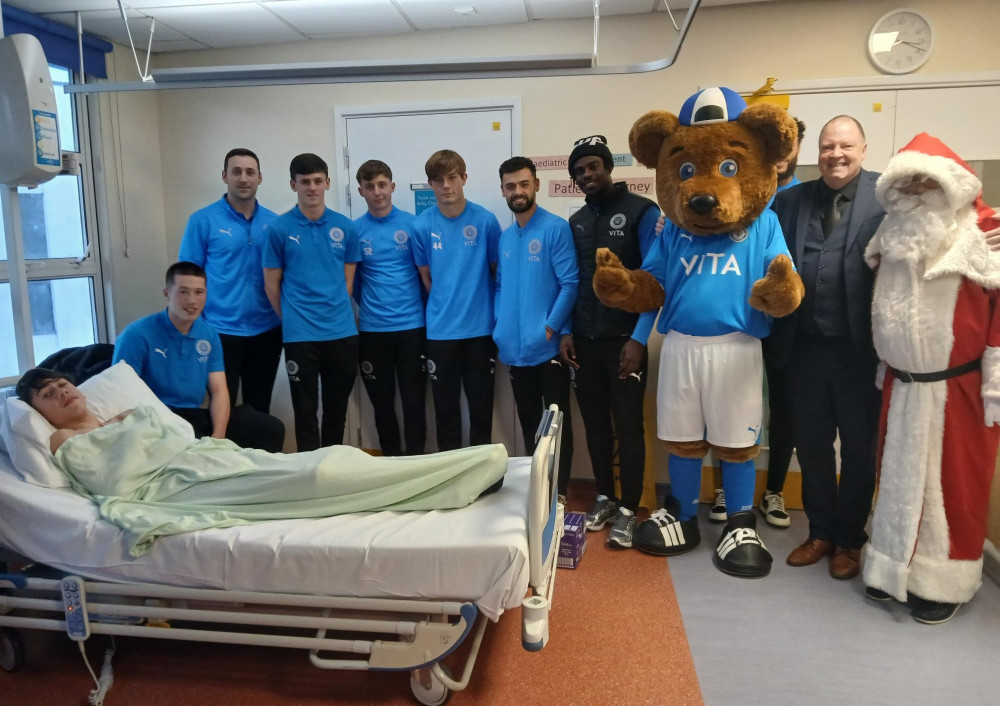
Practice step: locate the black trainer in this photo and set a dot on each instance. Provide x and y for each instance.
(740, 551)
(877, 594)
(934, 613)
(664, 535)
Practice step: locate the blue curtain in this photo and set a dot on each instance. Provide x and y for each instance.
(58, 41)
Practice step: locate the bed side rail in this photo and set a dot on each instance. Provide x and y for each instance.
(545, 527)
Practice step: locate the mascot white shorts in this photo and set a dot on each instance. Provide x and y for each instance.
(710, 387)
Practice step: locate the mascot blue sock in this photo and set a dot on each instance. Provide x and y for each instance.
(685, 484)
(738, 480)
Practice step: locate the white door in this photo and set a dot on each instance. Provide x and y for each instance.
(485, 134)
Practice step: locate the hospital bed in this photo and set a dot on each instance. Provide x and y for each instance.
(374, 591)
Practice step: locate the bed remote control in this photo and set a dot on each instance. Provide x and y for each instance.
(75, 606)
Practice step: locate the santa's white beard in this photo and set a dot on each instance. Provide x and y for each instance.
(917, 227)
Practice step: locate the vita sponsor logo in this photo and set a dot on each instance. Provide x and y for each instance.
(697, 264)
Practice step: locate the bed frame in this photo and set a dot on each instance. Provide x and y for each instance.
(412, 635)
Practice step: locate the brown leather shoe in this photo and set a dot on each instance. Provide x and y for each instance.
(846, 563)
(809, 552)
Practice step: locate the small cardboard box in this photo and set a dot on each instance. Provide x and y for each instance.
(574, 541)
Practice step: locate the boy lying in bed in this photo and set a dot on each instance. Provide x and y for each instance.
(151, 480)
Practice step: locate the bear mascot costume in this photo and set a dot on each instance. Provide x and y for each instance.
(936, 324)
(721, 271)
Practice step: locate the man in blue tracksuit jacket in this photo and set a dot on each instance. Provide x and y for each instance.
(536, 287)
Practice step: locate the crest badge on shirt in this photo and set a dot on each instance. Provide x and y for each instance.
(617, 223)
(401, 238)
(534, 247)
(337, 238)
(738, 236)
(470, 233)
(203, 348)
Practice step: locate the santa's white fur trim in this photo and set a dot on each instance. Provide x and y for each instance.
(959, 184)
(885, 573)
(941, 580)
(946, 580)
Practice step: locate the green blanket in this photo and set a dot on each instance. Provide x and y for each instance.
(151, 481)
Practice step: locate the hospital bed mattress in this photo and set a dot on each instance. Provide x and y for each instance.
(477, 553)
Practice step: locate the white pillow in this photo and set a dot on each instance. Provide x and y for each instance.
(26, 432)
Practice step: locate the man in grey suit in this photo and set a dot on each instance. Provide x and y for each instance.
(826, 346)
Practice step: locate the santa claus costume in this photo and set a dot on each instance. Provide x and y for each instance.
(936, 324)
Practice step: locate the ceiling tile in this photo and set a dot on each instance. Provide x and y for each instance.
(339, 17)
(107, 24)
(440, 14)
(231, 25)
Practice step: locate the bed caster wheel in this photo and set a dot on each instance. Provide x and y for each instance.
(434, 695)
(11, 650)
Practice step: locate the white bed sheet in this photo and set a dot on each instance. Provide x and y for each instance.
(477, 553)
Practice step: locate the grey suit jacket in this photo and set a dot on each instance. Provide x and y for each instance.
(795, 207)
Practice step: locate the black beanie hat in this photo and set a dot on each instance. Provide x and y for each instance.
(595, 145)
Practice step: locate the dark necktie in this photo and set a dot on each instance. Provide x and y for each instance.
(833, 214)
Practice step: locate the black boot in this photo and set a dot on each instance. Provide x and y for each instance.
(740, 551)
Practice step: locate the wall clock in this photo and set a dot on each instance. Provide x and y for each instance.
(900, 41)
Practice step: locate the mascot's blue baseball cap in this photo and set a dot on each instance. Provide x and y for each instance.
(712, 105)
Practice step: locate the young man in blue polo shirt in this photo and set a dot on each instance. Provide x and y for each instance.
(455, 248)
(309, 260)
(226, 238)
(391, 329)
(179, 356)
(536, 286)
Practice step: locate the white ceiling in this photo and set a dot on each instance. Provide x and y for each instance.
(183, 25)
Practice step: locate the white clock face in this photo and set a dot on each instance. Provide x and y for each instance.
(900, 42)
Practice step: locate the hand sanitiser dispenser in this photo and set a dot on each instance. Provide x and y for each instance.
(29, 134)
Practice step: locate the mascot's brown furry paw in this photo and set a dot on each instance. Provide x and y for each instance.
(631, 290)
(780, 291)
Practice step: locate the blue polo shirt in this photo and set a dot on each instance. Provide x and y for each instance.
(312, 254)
(537, 283)
(459, 252)
(173, 364)
(387, 284)
(228, 247)
(707, 278)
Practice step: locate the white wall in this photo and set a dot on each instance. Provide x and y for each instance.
(169, 144)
